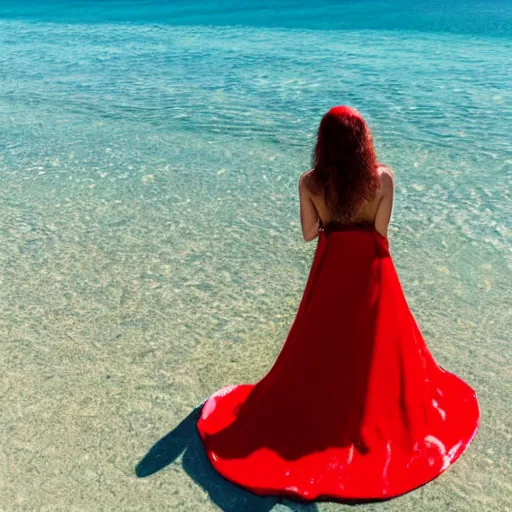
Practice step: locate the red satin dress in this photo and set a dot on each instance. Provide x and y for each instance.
(355, 406)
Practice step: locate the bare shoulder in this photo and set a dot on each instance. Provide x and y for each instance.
(386, 171)
(387, 178)
(304, 180)
(306, 175)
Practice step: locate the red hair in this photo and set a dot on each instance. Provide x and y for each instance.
(344, 163)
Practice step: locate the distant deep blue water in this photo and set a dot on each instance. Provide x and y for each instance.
(149, 157)
(492, 18)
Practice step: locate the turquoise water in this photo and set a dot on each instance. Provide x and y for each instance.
(149, 222)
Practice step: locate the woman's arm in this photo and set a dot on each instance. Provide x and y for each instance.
(310, 221)
(385, 207)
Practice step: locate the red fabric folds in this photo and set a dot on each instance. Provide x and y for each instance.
(354, 406)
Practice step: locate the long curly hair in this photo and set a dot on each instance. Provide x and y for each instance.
(344, 163)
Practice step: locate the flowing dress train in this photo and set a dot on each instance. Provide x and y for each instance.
(354, 406)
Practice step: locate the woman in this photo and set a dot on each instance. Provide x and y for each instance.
(355, 405)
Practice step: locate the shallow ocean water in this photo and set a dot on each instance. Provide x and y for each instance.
(150, 235)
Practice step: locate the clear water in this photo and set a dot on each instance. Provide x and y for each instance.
(149, 226)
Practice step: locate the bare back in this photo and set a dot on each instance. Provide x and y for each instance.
(376, 212)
